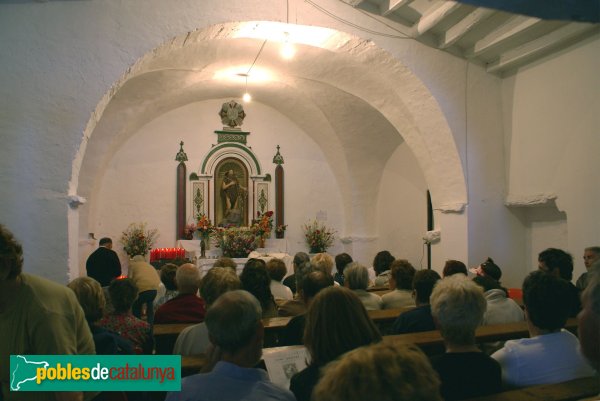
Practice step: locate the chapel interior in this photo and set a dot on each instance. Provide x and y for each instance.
(494, 113)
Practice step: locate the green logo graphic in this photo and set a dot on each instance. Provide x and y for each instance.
(95, 372)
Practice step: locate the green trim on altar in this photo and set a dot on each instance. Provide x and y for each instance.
(230, 145)
(232, 136)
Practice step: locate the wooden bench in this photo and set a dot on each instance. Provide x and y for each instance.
(165, 336)
(432, 340)
(567, 391)
(190, 365)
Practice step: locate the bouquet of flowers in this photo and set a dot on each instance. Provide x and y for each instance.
(318, 236)
(188, 231)
(280, 229)
(204, 226)
(236, 242)
(137, 240)
(263, 225)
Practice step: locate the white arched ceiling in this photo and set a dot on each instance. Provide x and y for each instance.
(356, 101)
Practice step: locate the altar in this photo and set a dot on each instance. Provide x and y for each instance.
(274, 248)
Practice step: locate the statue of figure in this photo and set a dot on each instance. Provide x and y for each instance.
(233, 195)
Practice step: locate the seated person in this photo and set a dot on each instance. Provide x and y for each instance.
(187, 307)
(589, 318)
(296, 306)
(194, 340)
(400, 284)
(167, 289)
(560, 264)
(255, 279)
(314, 282)
(551, 354)
(418, 319)
(277, 271)
(381, 265)
(336, 323)
(590, 256)
(357, 279)
(341, 261)
(90, 295)
(324, 262)
(300, 259)
(224, 261)
(452, 267)
(236, 332)
(123, 293)
(500, 309)
(458, 305)
(387, 372)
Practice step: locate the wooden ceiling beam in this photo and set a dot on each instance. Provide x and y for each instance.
(463, 26)
(434, 16)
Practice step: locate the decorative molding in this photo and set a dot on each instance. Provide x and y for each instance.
(75, 201)
(262, 197)
(457, 207)
(199, 201)
(278, 159)
(229, 149)
(181, 156)
(355, 239)
(231, 136)
(532, 200)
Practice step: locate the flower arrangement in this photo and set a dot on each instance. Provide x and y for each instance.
(137, 239)
(236, 242)
(263, 225)
(280, 230)
(188, 230)
(318, 236)
(204, 227)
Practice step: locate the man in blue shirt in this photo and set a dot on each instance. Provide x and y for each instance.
(235, 330)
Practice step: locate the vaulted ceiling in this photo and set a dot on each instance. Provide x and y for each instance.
(500, 40)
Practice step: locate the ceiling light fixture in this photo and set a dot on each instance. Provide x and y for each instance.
(287, 49)
(247, 97)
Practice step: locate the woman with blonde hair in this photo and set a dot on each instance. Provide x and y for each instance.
(336, 323)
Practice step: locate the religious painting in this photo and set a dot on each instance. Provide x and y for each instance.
(231, 193)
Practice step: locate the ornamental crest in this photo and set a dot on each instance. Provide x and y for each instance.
(232, 114)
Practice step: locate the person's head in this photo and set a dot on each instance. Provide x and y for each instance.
(402, 274)
(323, 262)
(90, 295)
(356, 276)
(11, 255)
(314, 282)
(589, 318)
(488, 269)
(423, 284)
(341, 261)
(167, 276)
(557, 262)
(457, 306)
(106, 242)
(454, 267)
(337, 322)
(187, 279)
(255, 279)
(234, 323)
(300, 259)
(382, 262)
(123, 292)
(216, 282)
(302, 267)
(387, 372)
(486, 283)
(277, 269)
(224, 261)
(590, 255)
(547, 300)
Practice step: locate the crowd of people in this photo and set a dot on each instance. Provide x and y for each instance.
(349, 357)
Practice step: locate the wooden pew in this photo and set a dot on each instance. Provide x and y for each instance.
(567, 391)
(190, 365)
(498, 332)
(165, 336)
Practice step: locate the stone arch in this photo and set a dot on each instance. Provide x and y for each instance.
(408, 107)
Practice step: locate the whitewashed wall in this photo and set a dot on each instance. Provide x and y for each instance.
(552, 130)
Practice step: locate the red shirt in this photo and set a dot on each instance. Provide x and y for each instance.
(186, 308)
